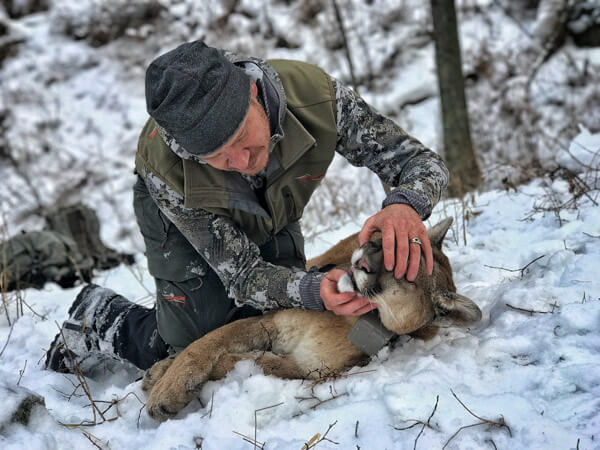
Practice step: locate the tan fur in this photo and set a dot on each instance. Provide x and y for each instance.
(338, 255)
(307, 344)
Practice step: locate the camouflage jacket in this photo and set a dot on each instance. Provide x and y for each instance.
(365, 139)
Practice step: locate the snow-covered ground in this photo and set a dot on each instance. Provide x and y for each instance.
(536, 372)
(70, 112)
(73, 115)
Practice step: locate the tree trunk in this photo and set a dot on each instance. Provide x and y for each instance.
(458, 149)
(549, 26)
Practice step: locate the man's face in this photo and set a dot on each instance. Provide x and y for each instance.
(247, 151)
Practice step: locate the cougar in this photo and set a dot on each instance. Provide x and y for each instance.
(295, 343)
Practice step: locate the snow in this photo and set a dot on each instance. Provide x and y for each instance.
(583, 152)
(538, 371)
(76, 112)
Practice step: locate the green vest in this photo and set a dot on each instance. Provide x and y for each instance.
(296, 164)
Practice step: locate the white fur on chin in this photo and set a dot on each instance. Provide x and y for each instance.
(345, 283)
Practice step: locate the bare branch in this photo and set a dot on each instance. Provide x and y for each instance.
(500, 423)
(7, 339)
(522, 269)
(529, 311)
(21, 372)
(316, 439)
(322, 402)
(420, 422)
(81, 378)
(259, 410)
(591, 235)
(338, 16)
(261, 445)
(437, 398)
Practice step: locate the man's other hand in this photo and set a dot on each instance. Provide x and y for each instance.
(342, 303)
(398, 224)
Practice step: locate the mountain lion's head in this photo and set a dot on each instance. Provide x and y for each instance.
(404, 306)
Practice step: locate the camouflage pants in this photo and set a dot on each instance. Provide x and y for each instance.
(191, 300)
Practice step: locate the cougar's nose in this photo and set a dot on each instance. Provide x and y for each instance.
(361, 263)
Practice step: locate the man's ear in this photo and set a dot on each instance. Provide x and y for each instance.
(254, 90)
(452, 309)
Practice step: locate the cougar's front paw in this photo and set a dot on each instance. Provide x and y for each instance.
(160, 412)
(180, 384)
(167, 399)
(155, 373)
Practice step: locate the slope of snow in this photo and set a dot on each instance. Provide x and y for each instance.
(75, 115)
(538, 371)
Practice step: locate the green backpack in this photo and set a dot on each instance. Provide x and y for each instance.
(30, 259)
(66, 251)
(81, 223)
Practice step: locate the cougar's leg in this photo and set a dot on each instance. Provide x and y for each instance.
(282, 366)
(183, 380)
(227, 362)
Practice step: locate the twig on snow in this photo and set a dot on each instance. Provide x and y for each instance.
(420, 422)
(82, 381)
(317, 438)
(522, 269)
(531, 312)
(21, 372)
(23, 302)
(329, 376)
(320, 402)
(437, 398)
(491, 441)
(90, 437)
(209, 413)
(500, 423)
(7, 339)
(259, 410)
(260, 445)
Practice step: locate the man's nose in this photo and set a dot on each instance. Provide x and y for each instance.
(239, 158)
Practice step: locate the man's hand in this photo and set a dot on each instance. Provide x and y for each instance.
(398, 224)
(345, 303)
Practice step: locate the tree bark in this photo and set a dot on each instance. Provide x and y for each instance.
(458, 148)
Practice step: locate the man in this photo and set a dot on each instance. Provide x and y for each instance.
(229, 158)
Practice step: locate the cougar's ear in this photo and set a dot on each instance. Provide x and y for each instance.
(452, 309)
(438, 232)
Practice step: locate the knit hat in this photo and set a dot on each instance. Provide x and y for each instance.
(197, 96)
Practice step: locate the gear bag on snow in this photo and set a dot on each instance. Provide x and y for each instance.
(30, 259)
(67, 250)
(81, 223)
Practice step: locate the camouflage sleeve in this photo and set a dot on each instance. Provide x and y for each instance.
(369, 139)
(236, 260)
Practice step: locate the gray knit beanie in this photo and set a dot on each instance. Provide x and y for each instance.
(197, 96)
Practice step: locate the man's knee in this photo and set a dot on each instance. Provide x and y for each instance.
(187, 310)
